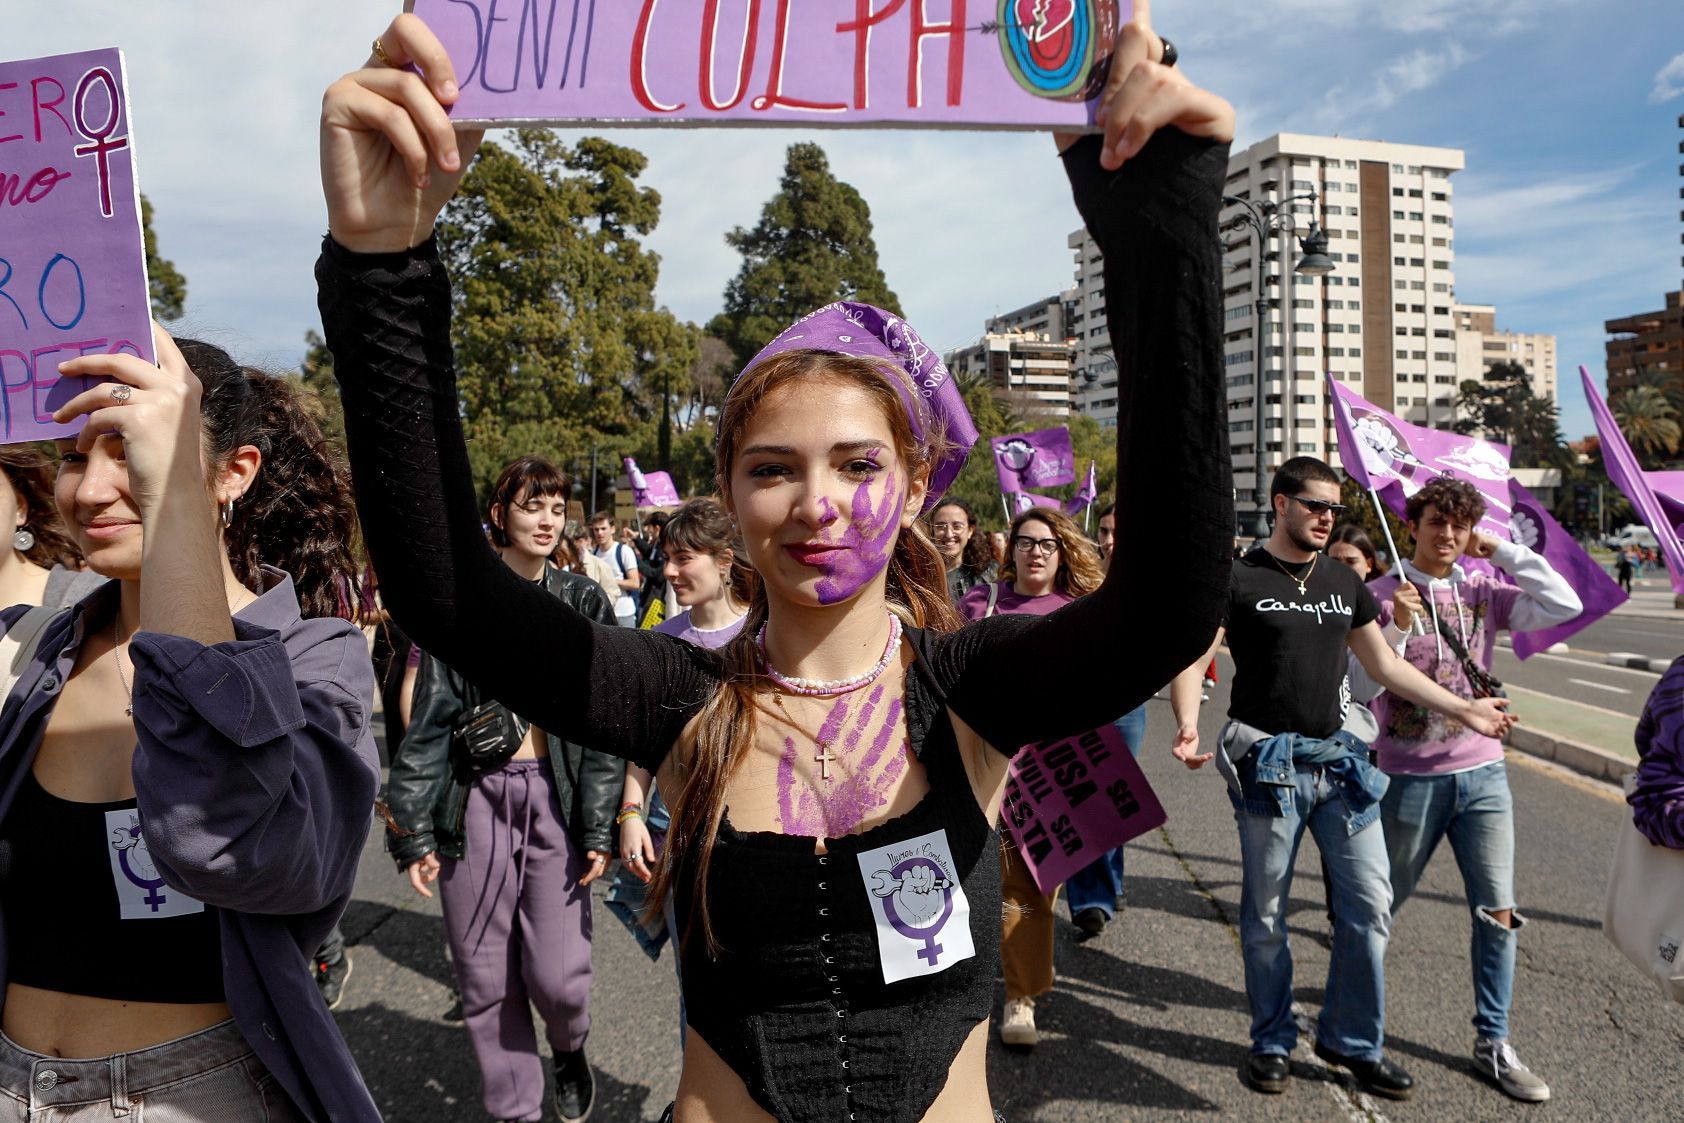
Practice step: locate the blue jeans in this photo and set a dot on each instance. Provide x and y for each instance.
(1475, 810)
(1353, 1015)
(1099, 884)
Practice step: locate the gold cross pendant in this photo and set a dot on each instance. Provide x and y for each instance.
(823, 758)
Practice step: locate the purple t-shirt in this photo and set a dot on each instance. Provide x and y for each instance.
(681, 627)
(974, 604)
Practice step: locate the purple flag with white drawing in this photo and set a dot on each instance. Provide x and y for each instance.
(1397, 459)
(651, 489)
(1043, 458)
(1086, 494)
(1022, 501)
(72, 262)
(1628, 475)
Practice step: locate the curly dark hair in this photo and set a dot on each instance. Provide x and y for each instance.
(298, 514)
(30, 472)
(1454, 498)
(979, 553)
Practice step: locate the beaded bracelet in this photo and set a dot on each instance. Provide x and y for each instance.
(630, 811)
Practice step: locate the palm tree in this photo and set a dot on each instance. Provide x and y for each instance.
(1649, 422)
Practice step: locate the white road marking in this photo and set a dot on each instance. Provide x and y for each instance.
(1599, 685)
(1652, 676)
(1658, 635)
(1514, 689)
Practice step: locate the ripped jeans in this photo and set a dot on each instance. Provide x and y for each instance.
(1476, 812)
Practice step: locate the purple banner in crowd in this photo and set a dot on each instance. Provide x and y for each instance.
(1397, 459)
(72, 263)
(651, 489)
(1007, 63)
(1086, 494)
(1028, 460)
(1627, 474)
(1068, 802)
(1669, 489)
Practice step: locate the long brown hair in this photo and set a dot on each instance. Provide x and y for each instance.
(1078, 560)
(725, 730)
(702, 526)
(30, 472)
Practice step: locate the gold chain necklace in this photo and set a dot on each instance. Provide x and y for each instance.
(1314, 558)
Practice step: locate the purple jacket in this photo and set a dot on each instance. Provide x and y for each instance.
(1657, 800)
(255, 774)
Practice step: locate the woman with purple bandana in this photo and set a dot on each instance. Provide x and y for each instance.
(837, 769)
(187, 765)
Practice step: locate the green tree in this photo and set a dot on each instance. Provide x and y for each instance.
(813, 245)
(1649, 423)
(315, 375)
(164, 282)
(1503, 407)
(560, 347)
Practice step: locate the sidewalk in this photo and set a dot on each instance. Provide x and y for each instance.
(1651, 599)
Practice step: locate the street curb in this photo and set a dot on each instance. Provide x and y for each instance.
(1637, 662)
(1587, 760)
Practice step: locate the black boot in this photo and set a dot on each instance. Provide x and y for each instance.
(1379, 1077)
(575, 1087)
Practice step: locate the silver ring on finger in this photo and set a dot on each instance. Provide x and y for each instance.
(121, 392)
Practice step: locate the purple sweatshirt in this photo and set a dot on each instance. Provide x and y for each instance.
(255, 773)
(1416, 741)
(1657, 800)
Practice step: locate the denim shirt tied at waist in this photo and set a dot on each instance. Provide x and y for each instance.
(1261, 770)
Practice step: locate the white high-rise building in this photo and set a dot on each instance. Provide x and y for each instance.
(1480, 345)
(1383, 321)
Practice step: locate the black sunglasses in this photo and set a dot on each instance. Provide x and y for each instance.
(1319, 506)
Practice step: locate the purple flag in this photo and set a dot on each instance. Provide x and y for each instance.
(652, 489)
(1086, 494)
(1397, 459)
(1027, 501)
(72, 263)
(1533, 527)
(1039, 459)
(1669, 489)
(813, 64)
(1628, 475)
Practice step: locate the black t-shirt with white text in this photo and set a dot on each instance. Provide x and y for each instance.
(1289, 647)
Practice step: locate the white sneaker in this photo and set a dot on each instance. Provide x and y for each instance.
(1496, 1061)
(1017, 1027)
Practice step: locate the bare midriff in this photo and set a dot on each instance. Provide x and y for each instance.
(709, 1092)
(75, 1025)
(535, 747)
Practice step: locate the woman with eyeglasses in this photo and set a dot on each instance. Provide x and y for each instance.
(1050, 563)
(967, 555)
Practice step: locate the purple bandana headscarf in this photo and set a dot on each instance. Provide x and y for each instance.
(852, 328)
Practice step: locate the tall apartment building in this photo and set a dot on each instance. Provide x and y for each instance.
(1649, 343)
(1046, 317)
(1383, 321)
(1033, 365)
(1480, 345)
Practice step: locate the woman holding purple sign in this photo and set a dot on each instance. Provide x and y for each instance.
(836, 770)
(187, 766)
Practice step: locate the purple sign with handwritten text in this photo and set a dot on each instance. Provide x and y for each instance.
(1069, 802)
(1028, 64)
(72, 262)
(651, 489)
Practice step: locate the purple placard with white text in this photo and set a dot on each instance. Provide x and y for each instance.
(1024, 64)
(72, 261)
(1069, 802)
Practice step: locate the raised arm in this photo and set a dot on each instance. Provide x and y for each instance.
(390, 161)
(1155, 219)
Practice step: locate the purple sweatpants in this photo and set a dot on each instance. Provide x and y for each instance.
(520, 931)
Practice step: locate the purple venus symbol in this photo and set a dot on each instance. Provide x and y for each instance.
(931, 950)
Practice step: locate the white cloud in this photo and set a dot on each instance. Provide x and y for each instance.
(1418, 70)
(1669, 83)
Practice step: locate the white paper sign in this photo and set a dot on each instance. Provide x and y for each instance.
(141, 891)
(923, 919)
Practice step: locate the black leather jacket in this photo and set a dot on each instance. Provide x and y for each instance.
(427, 793)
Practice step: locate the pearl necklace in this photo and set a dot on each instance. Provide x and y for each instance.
(821, 688)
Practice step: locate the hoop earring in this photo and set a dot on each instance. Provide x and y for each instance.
(227, 512)
(23, 541)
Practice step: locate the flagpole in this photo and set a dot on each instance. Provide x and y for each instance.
(1006, 507)
(1416, 627)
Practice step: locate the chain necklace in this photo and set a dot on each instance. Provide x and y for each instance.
(117, 650)
(1314, 558)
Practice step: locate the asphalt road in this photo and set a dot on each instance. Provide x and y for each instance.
(1149, 1020)
(1640, 635)
(1621, 689)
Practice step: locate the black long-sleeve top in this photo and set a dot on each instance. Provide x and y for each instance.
(387, 319)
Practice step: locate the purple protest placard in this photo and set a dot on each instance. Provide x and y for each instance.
(72, 262)
(651, 489)
(1028, 64)
(1030, 460)
(1384, 452)
(1068, 802)
(1628, 475)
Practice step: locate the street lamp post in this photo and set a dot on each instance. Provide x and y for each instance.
(1265, 217)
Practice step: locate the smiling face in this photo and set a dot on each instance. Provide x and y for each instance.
(820, 491)
(102, 518)
(950, 528)
(532, 523)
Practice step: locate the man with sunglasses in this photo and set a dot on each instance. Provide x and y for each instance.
(1291, 765)
(1447, 780)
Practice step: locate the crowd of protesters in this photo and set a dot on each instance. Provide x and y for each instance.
(802, 679)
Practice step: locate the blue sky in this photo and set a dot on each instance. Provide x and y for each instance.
(1567, 214)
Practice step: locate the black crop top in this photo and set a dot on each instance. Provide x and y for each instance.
(387, 318)
(86, 913)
